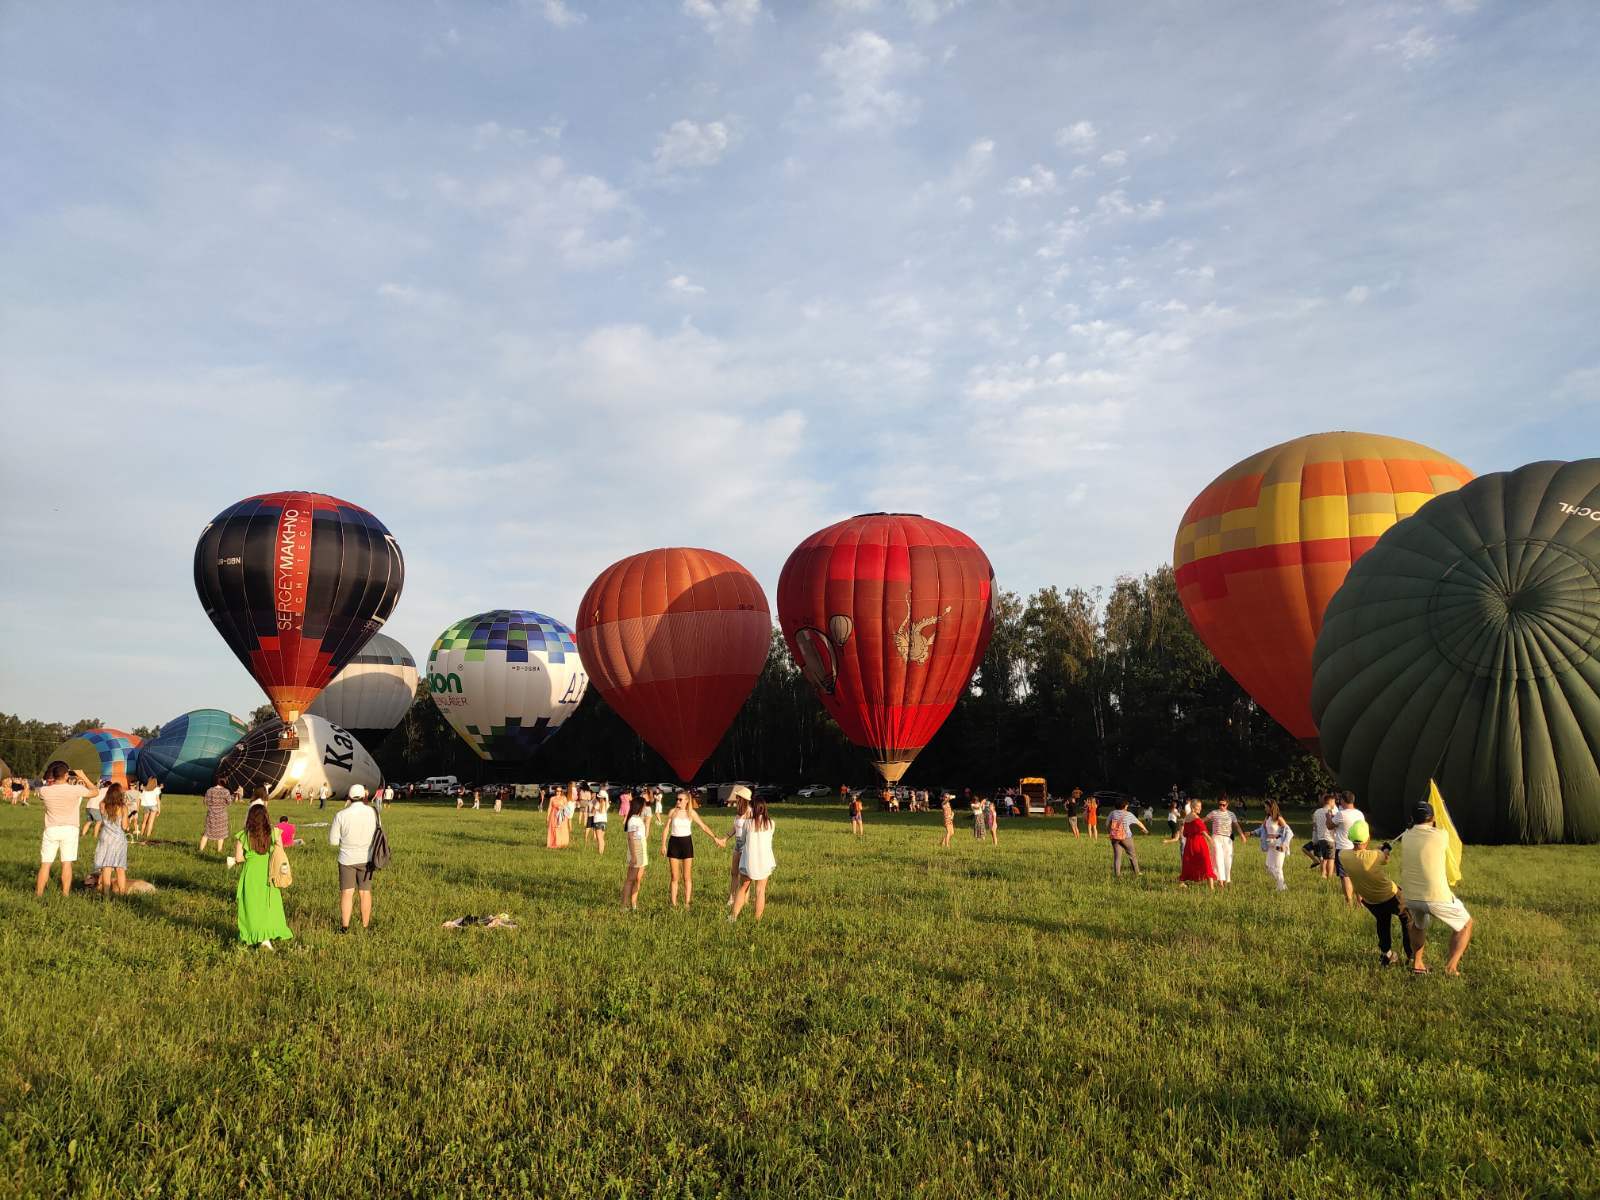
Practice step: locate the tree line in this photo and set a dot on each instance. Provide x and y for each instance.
(1090, 688)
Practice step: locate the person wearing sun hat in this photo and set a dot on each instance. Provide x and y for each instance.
(1364, 868)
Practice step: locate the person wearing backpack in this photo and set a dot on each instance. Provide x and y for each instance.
(1119, 829)
(352, 833)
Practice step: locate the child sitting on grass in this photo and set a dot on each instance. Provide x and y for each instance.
(286, 831)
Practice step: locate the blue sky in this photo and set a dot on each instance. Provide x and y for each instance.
(546, 283)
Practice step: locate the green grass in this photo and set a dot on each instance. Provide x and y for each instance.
(981, 1021)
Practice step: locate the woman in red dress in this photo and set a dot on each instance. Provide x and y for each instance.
(1196, 863)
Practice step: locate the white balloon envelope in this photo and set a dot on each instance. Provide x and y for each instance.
(371, 695)
(326, 753)
(506, 680)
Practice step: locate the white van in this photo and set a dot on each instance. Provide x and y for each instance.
(439, 783)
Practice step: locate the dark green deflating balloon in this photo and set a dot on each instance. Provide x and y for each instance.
(1465, 646)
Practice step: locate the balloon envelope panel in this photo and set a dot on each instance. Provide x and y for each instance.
(373, 692)
(296, 583)
(506, 680)
(1465, 647)
(183, 757)
(102, 754)
(675, 639)
(324, 754)
(1263, 548)
(887, 615)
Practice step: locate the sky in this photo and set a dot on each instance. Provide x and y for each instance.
(543, 284)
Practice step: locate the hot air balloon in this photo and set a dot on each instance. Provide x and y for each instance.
(296, 583)
(675, 639)
(887, 615)
(183, 757)
(101, 754)
(373, 692)
(1264, 547)
(318, 752)
(1465, 648)
(506, 681)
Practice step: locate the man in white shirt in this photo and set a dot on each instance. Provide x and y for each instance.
(1340, 824)
(1425, 883)
(323, 794)
(1322, 836)
(1223, 827)
(63, 792)
(352, 832)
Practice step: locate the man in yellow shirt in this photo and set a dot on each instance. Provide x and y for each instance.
(1424, 876)
(1364, 869)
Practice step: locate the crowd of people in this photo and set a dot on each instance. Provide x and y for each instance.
(1339, 848)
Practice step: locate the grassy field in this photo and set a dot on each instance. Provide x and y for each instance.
(978, 1021)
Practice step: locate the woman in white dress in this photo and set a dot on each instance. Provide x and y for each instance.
(638, 830)
(756, 862)
(1275, 836)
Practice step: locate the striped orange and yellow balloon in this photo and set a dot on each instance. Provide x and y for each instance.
(1264, 547)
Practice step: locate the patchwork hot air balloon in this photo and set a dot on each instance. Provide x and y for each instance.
(1262, 550)
(1465, 647)
(675, 639)
(506, 681)
(318, 752)
(101, 754)
(373, 692)
(887, 615)
(183, 757)
(296, 583)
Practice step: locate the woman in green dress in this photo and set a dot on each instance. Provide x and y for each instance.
(261, 920)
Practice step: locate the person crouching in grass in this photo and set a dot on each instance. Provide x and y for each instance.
(1363, 867)
(111, 844)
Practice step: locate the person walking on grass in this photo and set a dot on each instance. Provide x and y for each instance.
(600, 819)
(1174, 819)
(1195, 864)
(855, 816)
(92, 810)
(637, 829)
(555, 824)
(1425, 880)
(1223, 826)
(324, 794)
(111, 843)
(351, 834)
(61, 795)
(949, 813)
(677, 843)
(1119, 830)
(1322, 820)
(1346, 815)
(991, 818)
(217, 799)
(1364, 868)
(1275, 837)
(740, 799)
(150, 807)
(259, 904)
(1091, 815)
(1074, 806)
(756, 862)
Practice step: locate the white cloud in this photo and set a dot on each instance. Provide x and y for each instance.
(728, 17)
(862, 68)
(1115, 158)
(1079, 137)
(544, 207)
(1358, 294)
(559, 15)
(681, 285)
(687, 146)
(926, 12)
(1040, 181)
(1415, 47)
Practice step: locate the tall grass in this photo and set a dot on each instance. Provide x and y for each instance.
(907, 1021)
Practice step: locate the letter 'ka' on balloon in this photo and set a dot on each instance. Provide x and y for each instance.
(1262, 550)
(1465, 647)
(887, 615)
(506, 681)
(296, 583)
(675, 640)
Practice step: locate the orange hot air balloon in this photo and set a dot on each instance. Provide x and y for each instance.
(888, 614)
(1262, 550)
(675, 639)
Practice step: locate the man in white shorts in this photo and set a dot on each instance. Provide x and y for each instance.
(1223, 827)
(63, 793)
(1426, 887)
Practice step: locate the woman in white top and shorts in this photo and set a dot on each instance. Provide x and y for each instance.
(677, 843)
(741, 821)
(756, 863)
(637, 828)
(150, 805)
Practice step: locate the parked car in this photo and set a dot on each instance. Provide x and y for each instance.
(815, 789)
